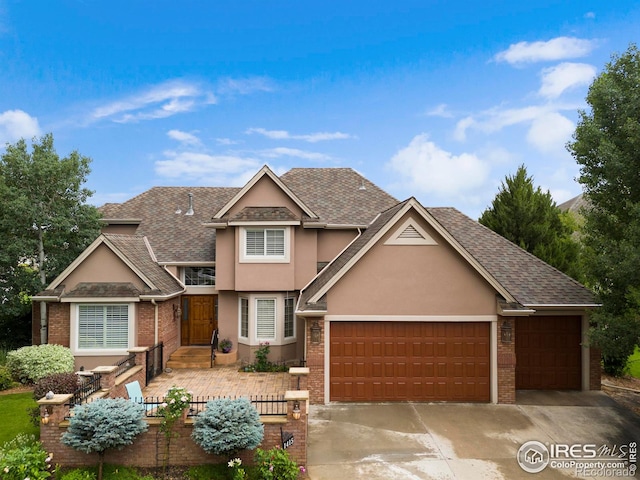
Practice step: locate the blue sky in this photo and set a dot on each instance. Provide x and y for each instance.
(434, 99)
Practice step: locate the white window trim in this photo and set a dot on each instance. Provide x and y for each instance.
(244, 258)
(75, 319)
(240, 336)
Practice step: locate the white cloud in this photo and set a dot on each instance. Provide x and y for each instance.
(311, 137)
(17, 124)
(184, 137)
(226, 141)
(557, 79)
(559, 48)
(202, 166)
(294, 152)
(590, 15)
(159, 101)
(244, 86)
(550, 132)
(425, 167)
(441, 110)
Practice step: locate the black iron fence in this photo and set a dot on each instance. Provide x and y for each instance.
(154, 362)
(264, 404)
(89, 384)
(125, 364)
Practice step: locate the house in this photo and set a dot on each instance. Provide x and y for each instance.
(383, 300)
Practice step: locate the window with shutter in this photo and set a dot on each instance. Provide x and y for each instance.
(265, 244)
(266, 318)
(103, 326)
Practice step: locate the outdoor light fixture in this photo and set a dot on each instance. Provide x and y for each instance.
(506, 332)
(296, 411)
(45, 417)
(177, 312)
(315, 332)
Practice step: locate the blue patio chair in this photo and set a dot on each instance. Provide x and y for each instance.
(135, 395)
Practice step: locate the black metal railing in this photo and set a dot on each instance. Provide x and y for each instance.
(89, 384)
(154, 362)
(125, 364)
(264, 404)
(214, 346)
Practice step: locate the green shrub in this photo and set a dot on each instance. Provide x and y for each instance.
(56, 383)
(23, 457)
(275, 464)
(117, 472)
(78, 474)
(227, 426)
(30, 364)
(262, 363)
(103, 424)
(6, 380)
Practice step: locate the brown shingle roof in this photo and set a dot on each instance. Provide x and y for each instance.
(136, 250)
(528, 279)
(264, 214)
(114, 289)
(337, 195)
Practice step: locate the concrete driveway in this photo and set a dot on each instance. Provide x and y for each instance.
(465, 441)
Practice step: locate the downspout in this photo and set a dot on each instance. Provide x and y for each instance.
(155, 321)
(44, 328)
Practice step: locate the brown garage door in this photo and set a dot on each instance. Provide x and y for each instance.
(548, 353)
(400, 361)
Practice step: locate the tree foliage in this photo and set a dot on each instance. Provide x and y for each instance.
(227, 426)
(45, 222)
(606, 145)
(531, 219)
(103, 424)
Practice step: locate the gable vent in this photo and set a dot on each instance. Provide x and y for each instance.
(411, 232)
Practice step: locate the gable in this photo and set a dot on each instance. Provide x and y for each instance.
(428, 277)
(264, 193)
(102, 265)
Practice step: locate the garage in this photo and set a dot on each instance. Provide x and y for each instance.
(409, 361)
(548, 353)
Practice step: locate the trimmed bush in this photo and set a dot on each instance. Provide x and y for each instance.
(227, 426)
(23, 457)
(275, 464)
(6, 380)
(30, 364)
(56, 383)
(103, 424)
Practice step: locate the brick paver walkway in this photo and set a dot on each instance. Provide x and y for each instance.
(219, 381)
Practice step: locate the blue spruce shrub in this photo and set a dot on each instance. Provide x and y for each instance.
(103, 424)
(30, 364)
(227, 426)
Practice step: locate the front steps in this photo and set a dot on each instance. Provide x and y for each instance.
(190, 357)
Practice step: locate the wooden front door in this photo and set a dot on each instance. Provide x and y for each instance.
(199, 319)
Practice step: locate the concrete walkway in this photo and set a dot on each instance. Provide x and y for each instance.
(416, 441)
(219, 381)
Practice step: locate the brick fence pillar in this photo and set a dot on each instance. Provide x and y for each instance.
(506, 361)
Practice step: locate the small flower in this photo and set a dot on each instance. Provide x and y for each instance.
(231, 464)
(302, 469)
(183, 398)
(164, 405)
(271, 468)
(6, 469)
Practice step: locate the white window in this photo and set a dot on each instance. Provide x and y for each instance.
(265, 244)
(289, 317)
(199, 276)
(266, 318)
(244, 317)
(103, 327)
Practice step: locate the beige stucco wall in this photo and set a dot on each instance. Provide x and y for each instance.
(265, 193)
(305, 258)
(332, 242)
(102, 265)
(412, 280)
(120, 229)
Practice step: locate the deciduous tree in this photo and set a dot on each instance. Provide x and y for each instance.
(606, 145)
(45, 221)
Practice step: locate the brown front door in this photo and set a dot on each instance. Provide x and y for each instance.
(406, 361)
(199, 317)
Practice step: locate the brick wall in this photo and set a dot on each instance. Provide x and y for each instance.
(507, 363)
(148, 448)
(59, 323)
(168, 326)
(315, 362)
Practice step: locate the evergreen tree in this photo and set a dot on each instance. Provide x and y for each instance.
(531, 219)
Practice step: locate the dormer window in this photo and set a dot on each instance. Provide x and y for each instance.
(265, 244)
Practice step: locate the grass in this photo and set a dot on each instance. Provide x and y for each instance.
(14, 417)
(633, 364)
